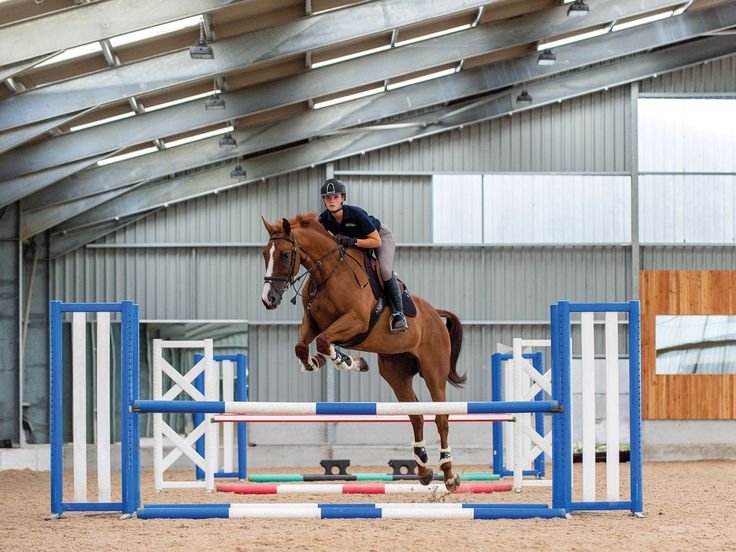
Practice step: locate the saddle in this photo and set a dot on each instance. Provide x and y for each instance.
(373, 271)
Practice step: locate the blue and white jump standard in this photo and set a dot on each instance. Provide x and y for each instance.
(562, 504)
(129, 389)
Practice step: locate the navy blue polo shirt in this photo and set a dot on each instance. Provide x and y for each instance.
(356, 223)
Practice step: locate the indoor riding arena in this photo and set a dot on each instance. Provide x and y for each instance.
(367, 274)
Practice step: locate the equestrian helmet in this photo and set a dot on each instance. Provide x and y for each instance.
(333, 186)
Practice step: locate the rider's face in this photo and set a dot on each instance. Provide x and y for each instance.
(333, 203)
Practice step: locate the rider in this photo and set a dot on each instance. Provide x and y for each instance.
(356, 228)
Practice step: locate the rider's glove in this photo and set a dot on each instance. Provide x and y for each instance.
(346, 241)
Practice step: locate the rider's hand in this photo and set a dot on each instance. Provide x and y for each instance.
(346, 241)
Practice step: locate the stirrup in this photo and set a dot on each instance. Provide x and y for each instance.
(396, 319)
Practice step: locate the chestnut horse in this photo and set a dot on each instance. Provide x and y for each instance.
(337, 306)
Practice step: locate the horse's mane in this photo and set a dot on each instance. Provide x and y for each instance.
(307, 220)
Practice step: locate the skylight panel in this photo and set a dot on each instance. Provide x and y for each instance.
(571, 39)
(129, 155)
(183, 100)
(350, 56)
(641, 21)
(197, 137)
(102, 121)
(423, 78)
(433, 35)
(158, 30)
(72, 53)
(347, 98)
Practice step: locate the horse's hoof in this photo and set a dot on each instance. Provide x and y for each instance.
(362, 365)
(427, 478)
(453, 483)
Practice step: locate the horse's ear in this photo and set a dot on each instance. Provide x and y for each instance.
(268, 227)
(287, 226)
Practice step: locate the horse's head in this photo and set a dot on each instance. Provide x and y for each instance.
(282, 262)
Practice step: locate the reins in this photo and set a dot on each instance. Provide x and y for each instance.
(292, 279)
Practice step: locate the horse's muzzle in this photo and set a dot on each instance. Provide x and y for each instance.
(271, 298)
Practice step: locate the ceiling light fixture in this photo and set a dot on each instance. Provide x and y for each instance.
(547, 57)
(578, 9)
(201, 50)
(214, 101)
(237, 172)
(227, 141)
(524, 98)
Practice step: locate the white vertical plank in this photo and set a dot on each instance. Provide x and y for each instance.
(508, 428)
(228, 430)
(158, 437)
(588, 376)
(79, 407)
(103, 407)
(521, 418)
(612, 415)
(211, 441)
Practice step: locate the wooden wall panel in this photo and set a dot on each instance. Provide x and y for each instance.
(685, 397)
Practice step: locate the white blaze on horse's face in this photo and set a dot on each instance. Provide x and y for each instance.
(269, 272)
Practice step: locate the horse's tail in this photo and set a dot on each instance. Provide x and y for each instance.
(455, 329)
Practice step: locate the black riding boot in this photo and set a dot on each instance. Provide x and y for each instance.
(398, 321)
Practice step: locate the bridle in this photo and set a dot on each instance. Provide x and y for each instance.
(292, 279)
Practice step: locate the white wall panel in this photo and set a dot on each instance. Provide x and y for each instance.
(687, 135)
(457, 208)
(687, 208)
(551, 208)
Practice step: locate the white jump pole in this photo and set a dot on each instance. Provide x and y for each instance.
(103, 407)
(79, 409)
(612, 408)
(588, 382)
(521, 381)
(212, 431)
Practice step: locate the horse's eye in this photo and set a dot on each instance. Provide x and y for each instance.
(285, 256)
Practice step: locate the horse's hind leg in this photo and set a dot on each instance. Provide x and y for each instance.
(398, 371)
(436, 384)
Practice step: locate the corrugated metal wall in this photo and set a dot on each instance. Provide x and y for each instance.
(500, 292)
(582, 134)
(712, 76)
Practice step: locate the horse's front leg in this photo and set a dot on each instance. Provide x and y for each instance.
(452, 481)
(307, 333)
(341, 329)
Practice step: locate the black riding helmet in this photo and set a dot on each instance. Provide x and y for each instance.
(333, 186)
